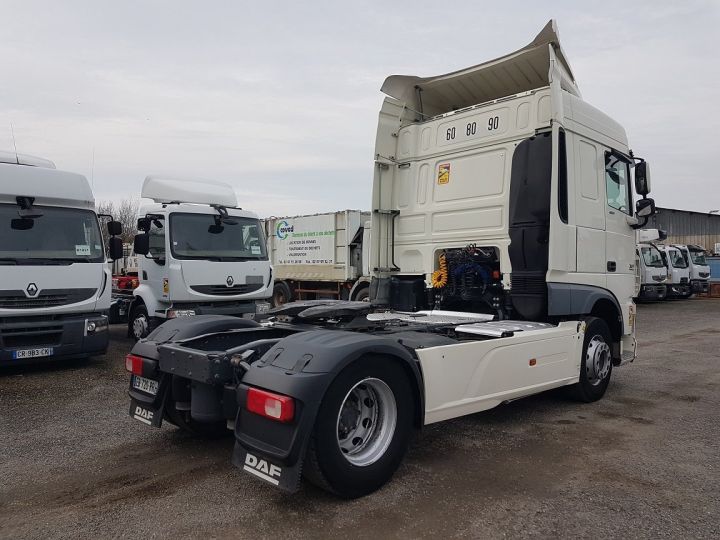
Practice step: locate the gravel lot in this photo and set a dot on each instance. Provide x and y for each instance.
(644, 462)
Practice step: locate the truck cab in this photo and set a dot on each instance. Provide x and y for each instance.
(653, 273)
(678, 272)
(55, 287)
(697, 265)
(198, 254)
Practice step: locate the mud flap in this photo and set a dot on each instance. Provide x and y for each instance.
(285, 477)
(150, 412)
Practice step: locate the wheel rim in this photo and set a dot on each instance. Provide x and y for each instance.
(140, 326)
(597, 360)
(366, 422)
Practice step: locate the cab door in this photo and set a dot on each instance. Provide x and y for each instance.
(620, 236)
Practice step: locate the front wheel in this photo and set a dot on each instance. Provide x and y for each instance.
(596, 362)
(139, 323)
(363, 429)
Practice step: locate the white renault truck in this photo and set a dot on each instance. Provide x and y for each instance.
(54, 279)
(678, 273)
(319, 256)
(199, 253)
(698, 267)
(651, 266)
(503, 265)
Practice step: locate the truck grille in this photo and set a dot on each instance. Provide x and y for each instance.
(683, 280)
(224, 290)
(46, 298)
(29, 335)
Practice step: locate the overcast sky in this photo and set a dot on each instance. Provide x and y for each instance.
(280, 99)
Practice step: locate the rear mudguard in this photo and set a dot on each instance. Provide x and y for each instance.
(303, 366)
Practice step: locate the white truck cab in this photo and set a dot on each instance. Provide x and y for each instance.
(653, 273)
(55, 281)
(198, 254)
(678, 272)
(697, 265)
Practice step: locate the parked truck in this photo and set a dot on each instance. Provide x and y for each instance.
(198, 254)
(319, 256)
(503, 265)
(55, 286)
(698, 267)
(652, 270)
(678, 273)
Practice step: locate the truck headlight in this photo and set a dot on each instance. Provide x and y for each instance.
(175, 313)
(96, 325)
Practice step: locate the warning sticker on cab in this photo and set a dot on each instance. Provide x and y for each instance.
(444, 173)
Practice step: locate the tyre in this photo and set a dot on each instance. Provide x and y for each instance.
(281, 294)
(139, 323)
(205, 430)
(363, 295)
(362, 430)
(596, 364)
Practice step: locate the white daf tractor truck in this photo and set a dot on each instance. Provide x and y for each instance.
(198, 254)
(54, 277)
(319, 256)
(503, 265)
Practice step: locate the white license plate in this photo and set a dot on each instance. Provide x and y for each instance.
(145, 385)
(33, 353)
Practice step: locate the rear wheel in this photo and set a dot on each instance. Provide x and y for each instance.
(281, 294)
(363, 429)
(596, 363)
(363, 295)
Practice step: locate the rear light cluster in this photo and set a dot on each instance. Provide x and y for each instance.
(273, 406)
(134, 364)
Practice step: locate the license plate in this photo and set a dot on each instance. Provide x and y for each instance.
(145, 385)
(33, 353)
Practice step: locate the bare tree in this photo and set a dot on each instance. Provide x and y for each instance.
(126, 212)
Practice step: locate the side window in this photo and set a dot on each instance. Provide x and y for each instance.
(617, 181)
(157, 239)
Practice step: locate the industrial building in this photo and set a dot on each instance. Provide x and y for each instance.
(686, 227)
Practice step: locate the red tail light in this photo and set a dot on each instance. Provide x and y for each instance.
(134, 364)
(270, 405)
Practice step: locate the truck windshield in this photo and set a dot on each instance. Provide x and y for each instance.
(199, 236)
(58, 236)
(676, 259)
(652, 257)
(698, 257)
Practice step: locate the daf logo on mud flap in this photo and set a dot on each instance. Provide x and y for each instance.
(262, 469)
(143, 415)
(229, 281)
(32, 290)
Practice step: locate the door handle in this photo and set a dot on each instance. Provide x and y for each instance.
(611, 266)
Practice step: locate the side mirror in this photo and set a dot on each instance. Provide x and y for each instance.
(114, 228)
(644, 208)
(143, 224)
(115, 247)
(642, 178)
(141, 245)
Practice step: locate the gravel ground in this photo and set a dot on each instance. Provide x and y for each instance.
(642, 463)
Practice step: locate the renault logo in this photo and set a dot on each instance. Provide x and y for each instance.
(229, 281)
(32, 290)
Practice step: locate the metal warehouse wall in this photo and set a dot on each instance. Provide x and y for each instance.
(684, 227)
